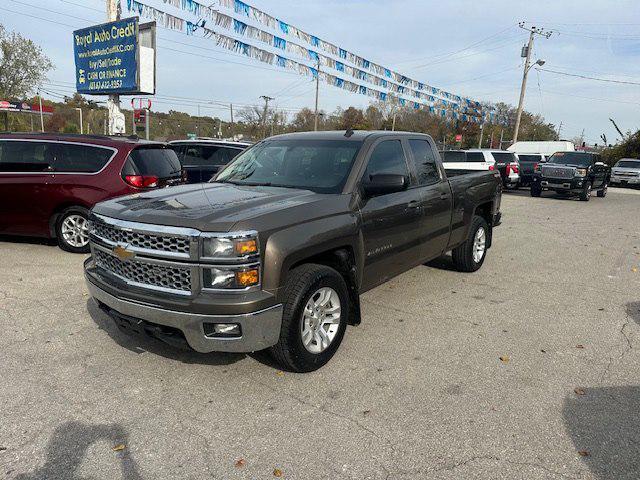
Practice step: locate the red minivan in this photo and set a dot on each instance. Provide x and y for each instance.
(48, 182)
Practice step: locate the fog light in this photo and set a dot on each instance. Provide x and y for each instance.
(222, 329)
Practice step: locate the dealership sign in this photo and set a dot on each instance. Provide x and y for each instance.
(23, 107)
(115, 58)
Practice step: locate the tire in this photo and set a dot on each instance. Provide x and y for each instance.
(303, 286)
(585, 194)
(71, 230)
(603, 191)
(536, 191)
(463, 255)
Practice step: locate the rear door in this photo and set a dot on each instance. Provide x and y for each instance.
(391, 223)
(436, 198)
(153, 162)
(25, 183)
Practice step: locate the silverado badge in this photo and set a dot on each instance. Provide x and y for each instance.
(122, 253)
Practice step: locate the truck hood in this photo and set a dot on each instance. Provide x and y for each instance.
(214, 207)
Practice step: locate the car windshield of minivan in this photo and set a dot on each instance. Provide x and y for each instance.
(628, 164)
(571, 158)
(321, 166)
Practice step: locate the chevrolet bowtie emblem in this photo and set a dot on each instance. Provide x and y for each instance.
(123, 254)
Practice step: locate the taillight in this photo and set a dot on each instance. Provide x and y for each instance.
(142, 181)
(508, 169)
(514, 168)
(536, 167)
(491, 167)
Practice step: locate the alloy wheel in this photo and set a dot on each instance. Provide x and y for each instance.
(320, 320)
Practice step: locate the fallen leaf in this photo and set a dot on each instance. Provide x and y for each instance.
(579, 346)
(584, 453)
(504, 359)
(634, 269)
(280, 373)
(119, 447)
(579, 391)
(240, 463)
(543, 351)
(366, 412)
(277, 472)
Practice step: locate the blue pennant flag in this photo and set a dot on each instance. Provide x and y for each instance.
(343, 53)
(284, 27)
(281, 61)
(383, 96)
(280, 43)
(239, 27)
(339, 82)
(313, 55)
(363, 90)
(340, 66)
(315, 41)
(241, 7)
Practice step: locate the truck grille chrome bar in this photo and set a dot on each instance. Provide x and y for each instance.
(558, 172)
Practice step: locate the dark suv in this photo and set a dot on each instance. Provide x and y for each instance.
(201, 159)
(48, 182)
(572, 173)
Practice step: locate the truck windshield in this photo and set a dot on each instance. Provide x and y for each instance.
(628, 164)
(571, 158)
(321, 166)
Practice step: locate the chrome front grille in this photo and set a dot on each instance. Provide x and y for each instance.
(168, 277)
(558, 172)
(145, 241)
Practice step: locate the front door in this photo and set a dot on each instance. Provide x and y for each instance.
(391, 223)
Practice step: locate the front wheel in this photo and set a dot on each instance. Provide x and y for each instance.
(603, 191)
(585, 194)
(470, 256)
(315, 313)
(72, 230)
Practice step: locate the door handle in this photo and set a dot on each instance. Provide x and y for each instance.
(413, 204)
(444, 196)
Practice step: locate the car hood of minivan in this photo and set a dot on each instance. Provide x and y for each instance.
(207, 207)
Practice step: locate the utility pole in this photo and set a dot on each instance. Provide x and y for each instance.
(559, 129)
(533, 31)
(198, 122)
(481, 133)
(501, 137)
(231, 129)
(393, 125)
(315, 121)
(116, 117)
(264, 115)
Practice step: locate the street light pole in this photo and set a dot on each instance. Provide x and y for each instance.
(315, 121)
(532, 32)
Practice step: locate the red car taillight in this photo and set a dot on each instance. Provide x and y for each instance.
(491, 167)
(512, 167)
(536, 167)
(142, 181)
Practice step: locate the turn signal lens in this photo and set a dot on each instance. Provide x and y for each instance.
(247, 247)
(247, 278)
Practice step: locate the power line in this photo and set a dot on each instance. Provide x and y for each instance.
(587, 77)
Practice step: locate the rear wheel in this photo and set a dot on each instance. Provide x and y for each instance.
(470, 256)
(72, 230)
(603, 191)
(536, 190)
(316, 309)
(585, 195)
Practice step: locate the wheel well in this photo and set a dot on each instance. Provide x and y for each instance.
(485, 211)
(56, 214)
(342, 260)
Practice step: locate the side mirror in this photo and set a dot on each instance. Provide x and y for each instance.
(385, 183)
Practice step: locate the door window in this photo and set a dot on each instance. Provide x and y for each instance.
(208, 155)
(425, 162)
(387, 158)
(80, 158)
(450, 156)
(25, 156)
(477, 157)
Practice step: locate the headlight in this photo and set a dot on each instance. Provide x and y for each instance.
(230, 247)
(581, 172)
(231, 278)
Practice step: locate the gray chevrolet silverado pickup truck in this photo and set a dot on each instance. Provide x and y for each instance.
(275, 251)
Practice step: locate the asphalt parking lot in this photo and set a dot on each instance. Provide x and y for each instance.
(526, 369)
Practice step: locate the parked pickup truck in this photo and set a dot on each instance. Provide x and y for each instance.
(572, 173)
(626, 172)
(275, 251)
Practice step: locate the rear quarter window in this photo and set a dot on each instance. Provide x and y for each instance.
(504, 157)
(80, 158)
(160, 162)
(476, 157)
(451, 157)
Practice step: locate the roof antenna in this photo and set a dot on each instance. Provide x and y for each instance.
(348, 133)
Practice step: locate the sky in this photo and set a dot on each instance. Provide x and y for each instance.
(466, 47)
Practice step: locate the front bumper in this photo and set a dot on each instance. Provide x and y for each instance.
(259, 329)
(624, 180)
(575, 184)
